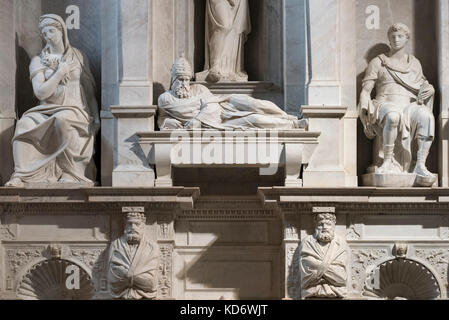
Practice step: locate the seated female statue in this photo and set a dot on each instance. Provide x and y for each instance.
(54, 142)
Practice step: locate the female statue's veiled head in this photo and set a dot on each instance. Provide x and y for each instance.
(48, 24)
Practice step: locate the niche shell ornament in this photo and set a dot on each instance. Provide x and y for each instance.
(47, 281)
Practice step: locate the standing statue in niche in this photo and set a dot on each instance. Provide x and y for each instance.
(54, 142)
(133, 262)
(323, 261)
(187, 106)
(400, 116)
(227, 27)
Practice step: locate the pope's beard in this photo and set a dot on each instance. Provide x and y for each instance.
(182, 92)
(324, 236)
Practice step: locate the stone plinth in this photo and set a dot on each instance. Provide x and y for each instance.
(130, 165)
(401, 180)
(331, 164)
(267, 150)
(249, 88)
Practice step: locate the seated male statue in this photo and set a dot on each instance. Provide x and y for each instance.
(187, 106)
(323, 261)
(133, 262)
(401, 114)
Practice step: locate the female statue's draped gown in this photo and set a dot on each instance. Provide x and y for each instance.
(57, 137)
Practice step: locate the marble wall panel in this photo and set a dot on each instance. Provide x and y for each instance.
(229, 272)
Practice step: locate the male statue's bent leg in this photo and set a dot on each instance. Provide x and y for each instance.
(390, 134)
(425, 133)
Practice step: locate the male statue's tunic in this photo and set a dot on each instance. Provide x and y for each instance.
(397, 88)
(133, 269)
(323, 268)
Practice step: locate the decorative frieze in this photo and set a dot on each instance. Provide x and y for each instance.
(361, 259)
(165, 227)
(165, 282)
(227, 214)
(438, 258)
(17, 259)
(293, 280)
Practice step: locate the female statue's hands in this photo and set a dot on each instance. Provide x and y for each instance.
(66, 67)
(64, 70)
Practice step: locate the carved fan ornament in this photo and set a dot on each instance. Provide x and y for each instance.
(404, 279)
(47, 281)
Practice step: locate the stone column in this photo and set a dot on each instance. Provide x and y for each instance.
(331, 92)
(295, 27)
(443, 73)
(324, 53)
(7, 87)
(127, 77)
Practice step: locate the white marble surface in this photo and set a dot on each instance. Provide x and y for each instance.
(131, 167)
(336, 168)
(289, 148)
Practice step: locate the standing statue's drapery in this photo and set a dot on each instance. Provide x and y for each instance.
(228, 24)
(187, 106)
(54, 142)
(401, 114)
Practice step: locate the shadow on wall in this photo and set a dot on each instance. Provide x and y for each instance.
(158, 89)
(232, 264)
(426, 50)
(200, 38)
(25, 98)
(367, 156)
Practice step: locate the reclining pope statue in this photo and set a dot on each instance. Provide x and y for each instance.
(187, 106)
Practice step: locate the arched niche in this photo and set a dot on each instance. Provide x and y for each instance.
(47, 280)
(402, 279)
(254, 47)
(263, 49)
(275, 51)
(420, 17)
(28, 44)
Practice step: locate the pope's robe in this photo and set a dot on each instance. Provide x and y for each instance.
(236, 111)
